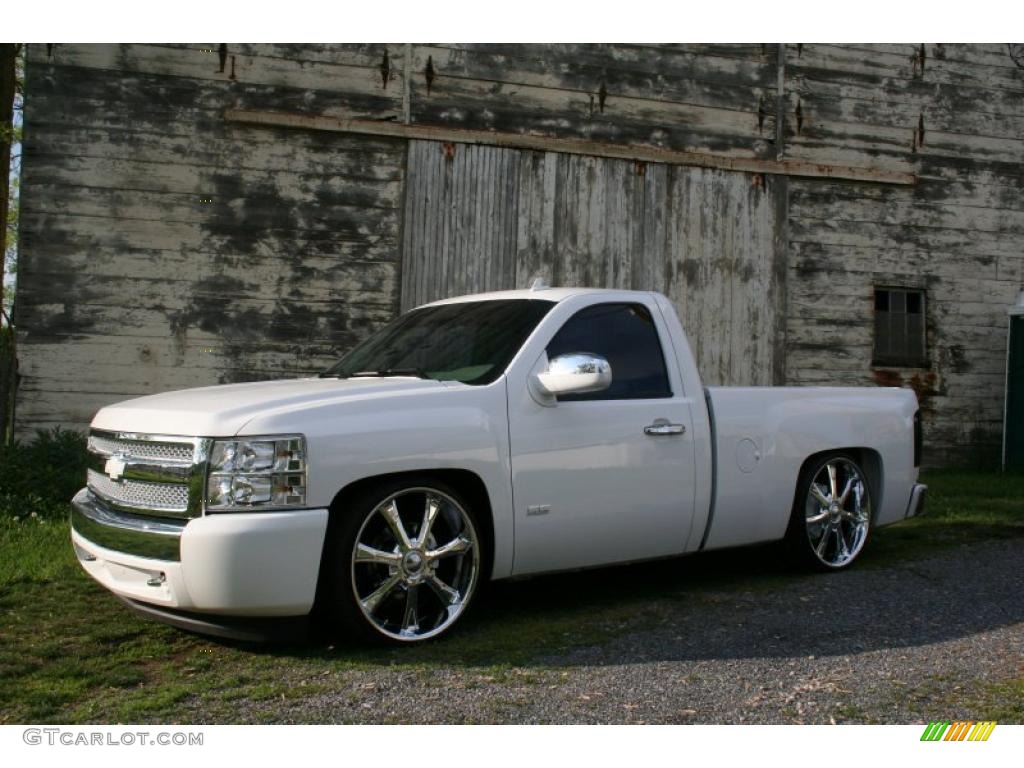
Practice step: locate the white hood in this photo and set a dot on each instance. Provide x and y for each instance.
(224, 410)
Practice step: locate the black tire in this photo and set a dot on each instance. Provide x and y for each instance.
(352, 580)
(824, 536)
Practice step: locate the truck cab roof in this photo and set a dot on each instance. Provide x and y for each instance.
(555, 295)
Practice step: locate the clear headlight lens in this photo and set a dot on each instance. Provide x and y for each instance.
(267, 473)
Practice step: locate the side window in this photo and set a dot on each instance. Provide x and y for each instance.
(625, 335)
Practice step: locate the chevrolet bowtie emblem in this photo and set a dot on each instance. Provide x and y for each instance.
(114, 467)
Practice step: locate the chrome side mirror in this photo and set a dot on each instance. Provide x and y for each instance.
(574, 373)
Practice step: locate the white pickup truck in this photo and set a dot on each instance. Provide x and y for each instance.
(482, 437)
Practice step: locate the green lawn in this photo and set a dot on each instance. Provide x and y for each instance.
(960, 507)
(69, 652)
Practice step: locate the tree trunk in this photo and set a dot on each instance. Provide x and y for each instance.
(8, 365)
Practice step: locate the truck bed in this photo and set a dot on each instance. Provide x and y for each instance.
(762, 437)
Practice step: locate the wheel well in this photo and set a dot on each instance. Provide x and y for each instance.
(467, 483)
(869, 460)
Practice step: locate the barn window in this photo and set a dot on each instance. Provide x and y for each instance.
(899, 327)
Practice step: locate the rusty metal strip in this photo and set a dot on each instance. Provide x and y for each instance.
(569, 146)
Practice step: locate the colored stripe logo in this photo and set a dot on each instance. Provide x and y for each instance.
(961, 730)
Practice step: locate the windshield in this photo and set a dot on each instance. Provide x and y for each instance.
(471, 342)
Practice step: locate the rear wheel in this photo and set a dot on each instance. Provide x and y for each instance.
(405, 564)
(832, 513)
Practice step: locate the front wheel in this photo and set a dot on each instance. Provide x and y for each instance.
(832, 513)
(406, 563)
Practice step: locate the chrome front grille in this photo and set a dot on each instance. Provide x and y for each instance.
(178, 453)
(156, 475)
(157, 497)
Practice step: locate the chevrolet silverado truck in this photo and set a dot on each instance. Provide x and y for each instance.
(480, 437)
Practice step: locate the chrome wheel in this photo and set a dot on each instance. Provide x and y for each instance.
(837, 512)
(415, 564)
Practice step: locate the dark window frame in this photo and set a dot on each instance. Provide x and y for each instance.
(898, 322)
(666, 393)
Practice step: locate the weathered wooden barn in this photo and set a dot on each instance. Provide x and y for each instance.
(819, 214)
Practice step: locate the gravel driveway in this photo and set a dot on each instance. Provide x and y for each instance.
(895, 644)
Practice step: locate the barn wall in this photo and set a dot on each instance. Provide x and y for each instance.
(957, 113)
(166, 247)
(163, 248)
(714, 98)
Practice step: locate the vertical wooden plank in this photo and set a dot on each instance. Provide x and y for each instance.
(464, 207)
(780, 101)
(535, 241)
(778, 298)
(706, 238)
(652, 204)
(528, 251)
(412, 234)
(568, 224)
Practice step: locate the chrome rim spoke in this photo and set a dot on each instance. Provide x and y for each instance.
(390, 513)
(820, 549)
(857, 513)
(447, 595)
(367, 554)
(833, 483)
(430, 509)
(819, 495)
(844, 549)
(454, 547)
(854, 515)
(372, 603)
(818, 518)
(410, 618)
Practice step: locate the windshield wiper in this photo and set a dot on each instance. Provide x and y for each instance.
(417, 372)
(383, 372)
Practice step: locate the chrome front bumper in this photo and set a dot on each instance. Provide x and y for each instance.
(241, 564)
(155, 538)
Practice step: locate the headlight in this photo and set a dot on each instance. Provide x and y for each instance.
(259, 473)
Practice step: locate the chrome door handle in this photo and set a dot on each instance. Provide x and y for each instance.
(664, 427)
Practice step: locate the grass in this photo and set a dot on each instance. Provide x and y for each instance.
(1002, 702)
(69, 652)
(961, 507)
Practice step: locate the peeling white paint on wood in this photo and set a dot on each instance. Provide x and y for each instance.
(130, 284)
(481, 218)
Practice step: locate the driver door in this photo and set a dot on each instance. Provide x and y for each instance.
(591, 486)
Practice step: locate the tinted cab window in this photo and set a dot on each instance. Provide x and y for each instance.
(625, 335)
(472, 342)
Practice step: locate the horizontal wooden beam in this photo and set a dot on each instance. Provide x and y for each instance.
(569, 146)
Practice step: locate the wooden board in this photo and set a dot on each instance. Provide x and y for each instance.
(484, 218)
(154, 228)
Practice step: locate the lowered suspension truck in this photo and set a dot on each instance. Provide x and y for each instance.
(482, 437)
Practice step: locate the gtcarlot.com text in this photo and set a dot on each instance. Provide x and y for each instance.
(101, 738)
